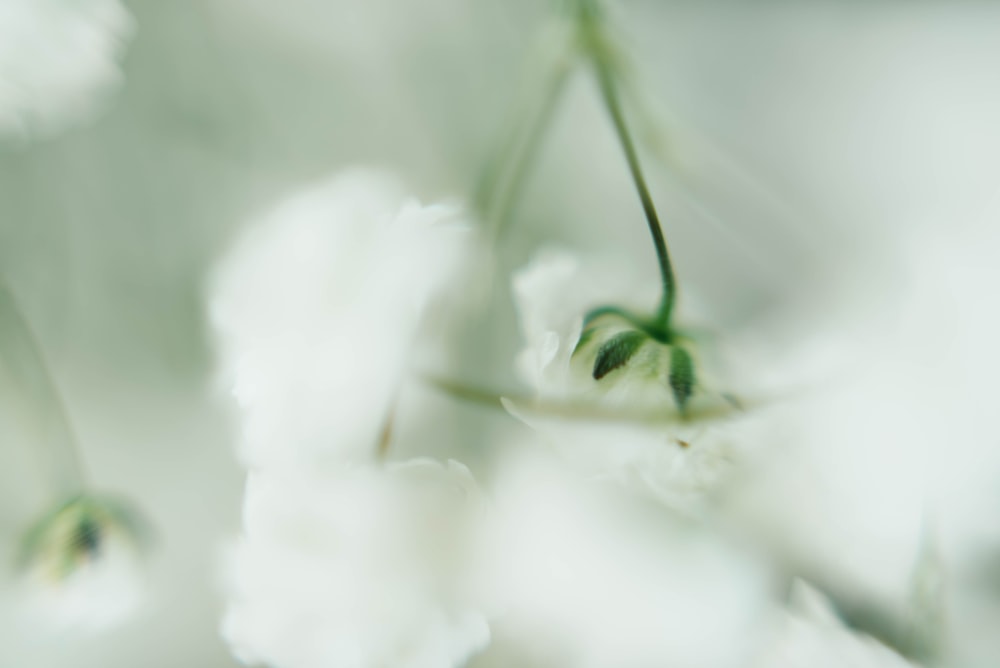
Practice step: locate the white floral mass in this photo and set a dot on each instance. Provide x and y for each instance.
(59, 61)
(356, 569)
(583, 575)
(345, 560)
(681, 464)
(577, 386)
(317, 309)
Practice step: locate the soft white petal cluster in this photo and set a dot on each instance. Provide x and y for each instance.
(316, 310)
(344, 561)
(58, 61)
(680, 464)
(584, 575)
(356, 569)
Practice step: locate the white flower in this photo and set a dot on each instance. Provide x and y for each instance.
(317, 308)
(812, 636)
(361, 569)
(585, 577)
(82, 566)
(58, 61)
(677, 462)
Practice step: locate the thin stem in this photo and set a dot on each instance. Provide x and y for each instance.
(502, 180)
(522, 159)
(384, 444)
(595, 42)
(384, 440)
(469, 393)
(22, 361)
(584, 411)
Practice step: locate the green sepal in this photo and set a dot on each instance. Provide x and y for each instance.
(75, 531)
(681, 376)
(617, 351)
(649, 327)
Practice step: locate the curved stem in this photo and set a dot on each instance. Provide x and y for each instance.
(595, 41)
(468, 393)
(653, 327)
(21, 359)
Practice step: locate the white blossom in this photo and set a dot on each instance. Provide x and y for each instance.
(581, 575)
(358, 569)
(58, 61)
(681, 463)
(317, 308)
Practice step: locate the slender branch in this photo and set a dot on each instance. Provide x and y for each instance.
(22, 359)
(508, 173)
(579, 410)
(598, 51)
(384, 439)
(463, 392)
(530, 148)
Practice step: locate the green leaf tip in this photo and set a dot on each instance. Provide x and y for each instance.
(617, 351)
(681, 376)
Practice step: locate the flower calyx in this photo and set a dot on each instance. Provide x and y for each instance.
(621, 340)
(78, 533)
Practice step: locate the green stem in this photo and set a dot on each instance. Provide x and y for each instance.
(22, 361)
(525, 159)
(587, 411)
(595, 43)
(503, 180)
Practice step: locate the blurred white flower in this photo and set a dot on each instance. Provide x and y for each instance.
(679, 462)
(580, 575)
(812, 636)
(552, 293)
(58, 61)
(359, 569)
(82, 566)
(317, 308)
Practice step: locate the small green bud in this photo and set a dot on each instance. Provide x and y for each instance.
(77, 533)
(81, 565)
(681, 377)
(649, 352)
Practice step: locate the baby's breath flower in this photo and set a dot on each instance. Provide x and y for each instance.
(664, 442)
(343, 561)
(584, 575)
(58, 61)
(362, 568)
(82, 564)
(317, 308)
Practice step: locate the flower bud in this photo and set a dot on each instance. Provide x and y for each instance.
(81, 564)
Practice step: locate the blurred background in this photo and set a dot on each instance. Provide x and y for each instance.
(830, 166)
